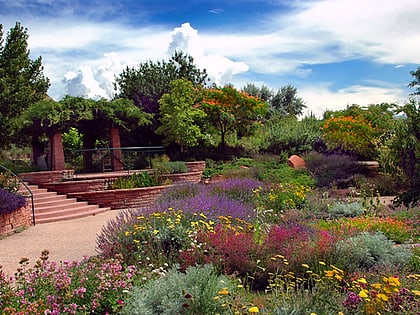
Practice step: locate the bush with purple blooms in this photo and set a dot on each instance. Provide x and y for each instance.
(10, 201)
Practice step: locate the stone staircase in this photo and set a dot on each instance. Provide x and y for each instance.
(52, 207)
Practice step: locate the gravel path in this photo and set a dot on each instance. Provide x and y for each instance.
(66, 240)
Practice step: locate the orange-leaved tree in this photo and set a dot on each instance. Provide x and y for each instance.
(359, 130)
(230, 110)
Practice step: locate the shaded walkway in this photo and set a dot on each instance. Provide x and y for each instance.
(65, 240)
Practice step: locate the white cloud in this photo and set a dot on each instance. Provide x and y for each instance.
(219, 68)
(320, 98)
(94, 81)
(386, 31)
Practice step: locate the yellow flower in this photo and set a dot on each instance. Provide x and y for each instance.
(253, 309)
(363, 294)
(377, 286)
(224, 291)
(382, 297)
(416, 292)
(155, 232)
(362, 280)
(305, 265)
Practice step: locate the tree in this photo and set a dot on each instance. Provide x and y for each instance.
(230, 110)
(179, 114)
(358, 130)
(22, 82)
(416, 82)
(263, 92)
(405, 150)
(146, 84)
(48, 117)
(286, 102)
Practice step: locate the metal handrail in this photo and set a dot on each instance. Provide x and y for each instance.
(30, 194)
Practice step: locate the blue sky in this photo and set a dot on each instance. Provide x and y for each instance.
(335, 52)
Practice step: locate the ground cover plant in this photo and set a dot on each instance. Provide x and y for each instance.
(257, 244)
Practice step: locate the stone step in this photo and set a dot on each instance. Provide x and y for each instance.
(61, 216)
(51, 207)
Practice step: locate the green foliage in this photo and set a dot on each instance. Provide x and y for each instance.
(136, 180)
(290, 135)
(197, 291)
(146, 84)
(22, 82)
(361, 131)
(179, 115)
(286, 102)
(8, 181)
(170, 167)
(229, 110)
(416, 81)
(366, 251)
(405, 151)
(263, 92)
(346, 209)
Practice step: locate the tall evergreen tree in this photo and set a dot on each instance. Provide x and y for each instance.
(286, 102)
(22, 82)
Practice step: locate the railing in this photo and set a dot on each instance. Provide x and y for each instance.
(21, 182)
(103, 153)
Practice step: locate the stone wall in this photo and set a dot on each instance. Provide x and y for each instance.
(41, 178)
(121, 198)
(14, 222)
(89, 185)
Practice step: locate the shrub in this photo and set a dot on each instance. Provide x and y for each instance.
(8, 181)
(9, 201)
(232, 197)
(238, 251)
(136, 180)
(283, 173)
(167, 167)
(370, 251)
(394, 229)
(236, 189)
(287, 134)
(331, 170)
(112, 241)
(92, 286)
(197, 291)
(346, 209)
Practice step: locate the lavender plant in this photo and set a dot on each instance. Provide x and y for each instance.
(10, 201)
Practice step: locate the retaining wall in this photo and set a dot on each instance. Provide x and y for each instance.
(19, 219)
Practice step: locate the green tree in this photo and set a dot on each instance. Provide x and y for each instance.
(147, 83)
(92, 118)
(179, 114)
(22, 82)
(359, 130)
(263, 92)
(416, 81)
(286, 102)
(405, 150)
(229, 110)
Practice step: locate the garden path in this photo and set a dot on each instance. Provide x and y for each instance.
(65, 240)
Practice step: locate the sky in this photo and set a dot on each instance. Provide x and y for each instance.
(335, 52)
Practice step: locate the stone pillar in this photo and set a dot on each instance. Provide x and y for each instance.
(116, 155)
(56, 153)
